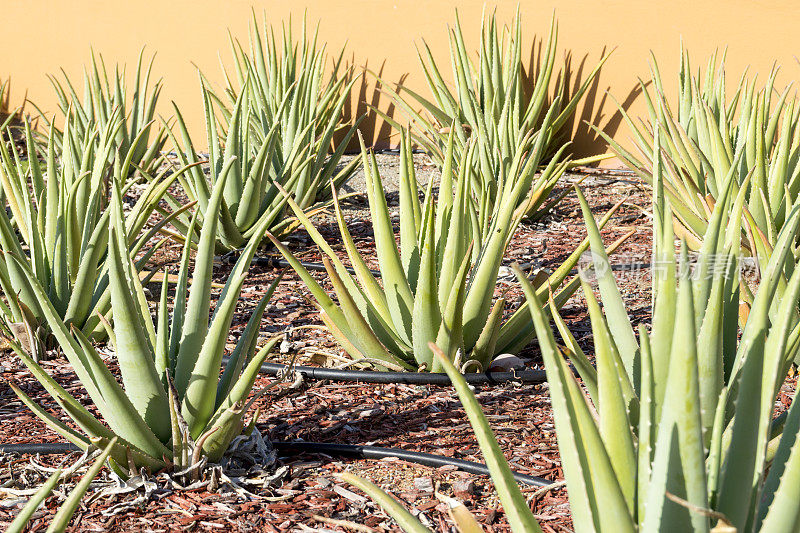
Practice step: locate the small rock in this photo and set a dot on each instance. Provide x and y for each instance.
(291, 317)
(506, 362)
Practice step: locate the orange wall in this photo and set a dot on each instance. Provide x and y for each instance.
(40, 37)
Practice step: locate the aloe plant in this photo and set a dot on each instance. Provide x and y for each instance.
(683, 437)
(256, 167)
(275, 125)
(499, 105)
(288, 82)
(674, 431)
(58, 224)
(107, 95)
(64, 514)
(174, 409)
(439, 286)
(707, 136)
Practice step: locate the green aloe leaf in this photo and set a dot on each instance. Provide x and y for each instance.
(596, 498)
(618, 321)
(26, 513)
(134, 346)
(196, 320)
(68, 508)
(404, 518)
(515, 507)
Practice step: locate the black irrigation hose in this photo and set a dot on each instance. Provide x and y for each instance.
(39, 448)
(296, 448)
(376, 452)
(406, 378)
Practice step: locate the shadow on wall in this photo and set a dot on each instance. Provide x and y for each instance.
(597, 106)
(372, 127)
(585, 140)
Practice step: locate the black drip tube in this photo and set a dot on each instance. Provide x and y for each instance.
(39, 448)
(407, 378)
(290, 448)
(376, 452)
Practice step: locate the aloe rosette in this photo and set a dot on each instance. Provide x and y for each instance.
(273, 128)
(708, 134)
(173, 407)
(289, 85)
(440, 284)
(107, 95)
(681, 434)
(497, 106)
(57, 224)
